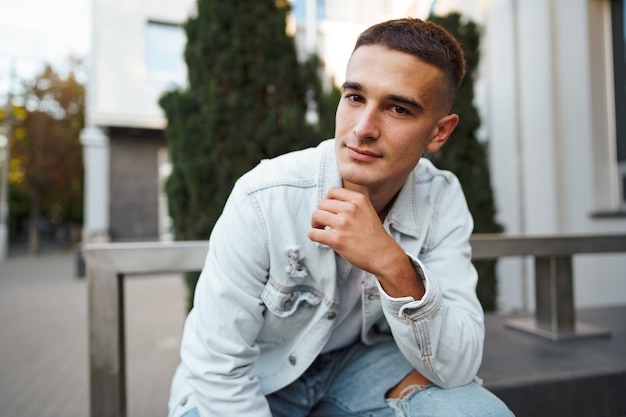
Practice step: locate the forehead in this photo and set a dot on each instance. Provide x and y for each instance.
(388, 71)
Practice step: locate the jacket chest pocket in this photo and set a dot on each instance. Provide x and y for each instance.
(289, 310)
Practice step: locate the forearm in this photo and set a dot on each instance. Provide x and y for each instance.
(441, 337)
(398, 276)
(220, 356)
(219, 346)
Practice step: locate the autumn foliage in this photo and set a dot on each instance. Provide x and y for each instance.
(46, 166)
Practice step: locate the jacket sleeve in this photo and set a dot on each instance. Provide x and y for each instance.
(442, 334)
(218, 346)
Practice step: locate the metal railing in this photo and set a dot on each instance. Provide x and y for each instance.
(109, 264)
(555, 314)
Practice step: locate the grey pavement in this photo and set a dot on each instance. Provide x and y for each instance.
(43, 338)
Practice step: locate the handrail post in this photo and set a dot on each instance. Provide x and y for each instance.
(555, 316)
(108, 266)
(106, 340)
(554, 292)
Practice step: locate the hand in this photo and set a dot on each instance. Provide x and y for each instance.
(346, 221)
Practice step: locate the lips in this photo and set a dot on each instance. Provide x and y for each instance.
(362, 154)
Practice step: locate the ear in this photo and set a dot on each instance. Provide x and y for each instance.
(441, 133)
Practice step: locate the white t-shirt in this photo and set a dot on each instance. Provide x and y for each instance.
(349, 319)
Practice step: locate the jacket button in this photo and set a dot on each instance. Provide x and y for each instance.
(331, 315)
(184, 401)
(292, 359)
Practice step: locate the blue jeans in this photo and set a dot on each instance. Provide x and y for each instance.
(353, 382)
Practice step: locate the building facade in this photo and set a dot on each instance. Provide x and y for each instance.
(136, 56)
(550, 91)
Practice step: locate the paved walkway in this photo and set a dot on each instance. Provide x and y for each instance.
(43, 347)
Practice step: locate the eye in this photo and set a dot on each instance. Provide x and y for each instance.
(399, 110)
(355, 98)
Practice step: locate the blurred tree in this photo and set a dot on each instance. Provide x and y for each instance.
(324, 102)
(12, 117)
(46, 168)
(466, 156)
(246, 100)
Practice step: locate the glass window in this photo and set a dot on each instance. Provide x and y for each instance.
(165, 46)
(619, 70)
(321, 10)
(298, 9)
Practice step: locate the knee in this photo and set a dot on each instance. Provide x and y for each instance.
(411, 383)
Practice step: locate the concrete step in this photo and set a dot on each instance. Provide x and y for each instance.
(586, 396)
(537, 377)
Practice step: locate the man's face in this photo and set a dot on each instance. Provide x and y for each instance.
(392, 109)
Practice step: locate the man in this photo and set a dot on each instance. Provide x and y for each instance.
(338, 279)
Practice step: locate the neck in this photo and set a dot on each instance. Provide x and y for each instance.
(381, 200)
(382, 213)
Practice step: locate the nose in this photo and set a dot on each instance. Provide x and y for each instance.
(367, 127)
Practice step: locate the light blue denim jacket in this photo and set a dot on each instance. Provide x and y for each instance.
(267, 297)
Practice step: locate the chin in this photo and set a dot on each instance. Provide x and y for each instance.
(355, 176)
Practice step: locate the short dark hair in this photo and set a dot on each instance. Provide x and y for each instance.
(425, 40)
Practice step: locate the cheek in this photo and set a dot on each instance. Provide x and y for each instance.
(342, 121)
(410, 148)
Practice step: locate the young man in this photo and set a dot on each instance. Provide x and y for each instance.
(338, 279)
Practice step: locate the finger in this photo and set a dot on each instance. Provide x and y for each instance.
(326, 236)
(344, 194)
(318, 235)
(334, 206)
(321, 219)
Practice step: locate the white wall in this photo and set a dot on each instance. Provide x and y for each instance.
(545, 131)
(120, 91)
(96, 161)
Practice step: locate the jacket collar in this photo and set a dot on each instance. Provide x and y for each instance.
(328, 173)
(404, 214)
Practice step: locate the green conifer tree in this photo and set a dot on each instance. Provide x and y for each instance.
(246, 100)
(325, 101)
(466, 156)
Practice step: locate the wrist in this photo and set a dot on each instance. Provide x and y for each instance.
(401, 279)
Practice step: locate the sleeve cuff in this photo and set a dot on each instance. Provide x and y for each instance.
(408, 307)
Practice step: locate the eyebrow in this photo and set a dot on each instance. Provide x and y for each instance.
(406, 100)
(350, 85)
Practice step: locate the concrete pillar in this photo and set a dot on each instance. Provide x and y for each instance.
(96, 160)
